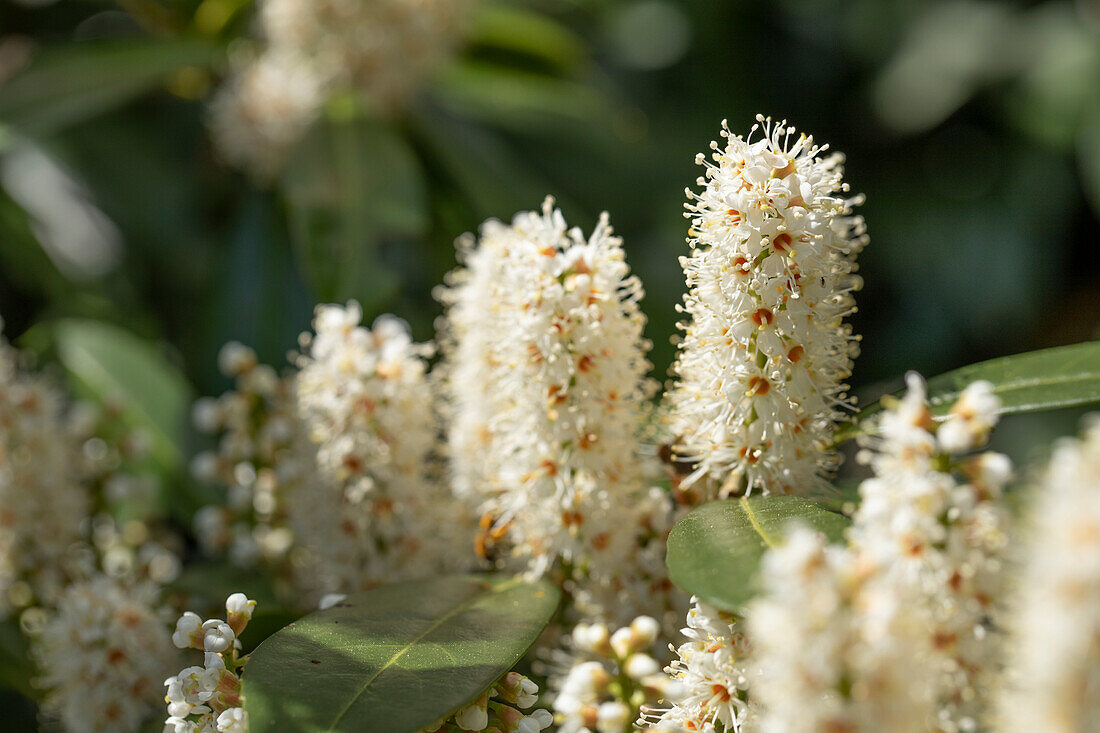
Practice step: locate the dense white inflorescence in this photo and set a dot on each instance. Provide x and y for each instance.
(1055, 623)
(103, 655)
(932, 528)
(378, 511)
(382, 50)
(765, 351)
(712, 672)
(831, 650)
(602, 678)
(261, 458)
(263, 111)
(898, 631)
(546, 388)
(42, 499)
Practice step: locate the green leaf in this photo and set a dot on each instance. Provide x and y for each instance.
(397, 658)
(520, 101)
(715, 550)
(351, 183)
(1048, 379)
(518, 30)
(66, 85)
(113, 366)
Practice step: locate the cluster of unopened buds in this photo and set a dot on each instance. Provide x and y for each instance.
(612, 676)
(207, 699)
(500, 710)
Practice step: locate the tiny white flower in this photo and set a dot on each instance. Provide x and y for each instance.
(217, 636)
(188, 631)
(233, 720)
(474, 716)
(613, 717)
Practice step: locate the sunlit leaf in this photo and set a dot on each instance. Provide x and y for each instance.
(714, 552)
(395, 659)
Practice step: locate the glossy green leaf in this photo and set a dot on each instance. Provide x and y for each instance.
(67, 85)
(714, 551)
(1048, 379)
(397, 658)
(114, 366)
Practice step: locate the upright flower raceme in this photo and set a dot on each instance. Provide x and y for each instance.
(260, 460)
(103, 655)
(765, 350)
(42, 499)
(899, 630)
(378, 512)
(546, 385)
(207, 699)
(1055, 625)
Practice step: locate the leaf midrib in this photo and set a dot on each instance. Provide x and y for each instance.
(747, 508)
(393, 660)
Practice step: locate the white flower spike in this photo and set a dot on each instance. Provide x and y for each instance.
(766, 351)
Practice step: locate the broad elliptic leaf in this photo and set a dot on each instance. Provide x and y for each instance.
(67, 85)
(714, 551)
(397, 658)
(115, 367)
(1049, 379)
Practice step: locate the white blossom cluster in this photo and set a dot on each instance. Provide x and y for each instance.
(499, 710)
(381, 50)
(103, 655)
(260, 458)
(545, 387)
(207, 699)
(600, 682)
(42, 498)
(898, 630)
(1055, 622)
(765, 350)
(377, 511)
(831, 650)
(712, 674)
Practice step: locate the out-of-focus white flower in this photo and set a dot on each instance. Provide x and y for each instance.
(1055, 625)
(601, 679)
(262, 457)
(42, 499)
(935, 539)
(264, 110)
(103, 655)
(828, 654)
(378, 511)
(765, 351)
(381, 50)
(971, 419)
